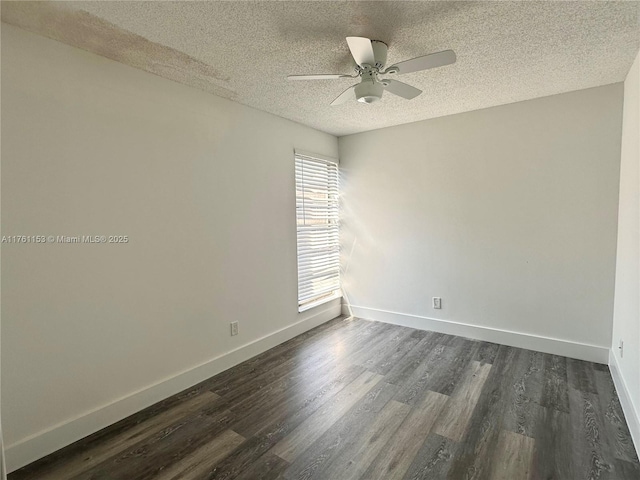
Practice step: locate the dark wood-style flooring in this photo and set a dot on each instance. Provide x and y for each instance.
(355, 399)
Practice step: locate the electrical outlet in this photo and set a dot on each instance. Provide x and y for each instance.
(621, 348)
(234, 328)
(437, 302)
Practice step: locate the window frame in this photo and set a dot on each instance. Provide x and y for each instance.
(332, 220)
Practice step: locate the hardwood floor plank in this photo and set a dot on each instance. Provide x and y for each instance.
(407, 365)
(419, 334)
(588, 456)
(267, 467)
(88, 458)
(434, 459)
(384, 361)
(581, 375)
(474, 458)
(622, 469)
(553, 447)
(555, 388)
(422, 377)
(356, 418)
(524, 394)
(308, 397)
(240, 460)
(320, 421)
(367, 352)
(201, 461)
(454, 420)
(287, 377)
(453, 341)
(356, 455)
(487, 352)
(616, 432)
(147, 458)
(400, 452)
(344, 435)
(514, 455)
(446, 378)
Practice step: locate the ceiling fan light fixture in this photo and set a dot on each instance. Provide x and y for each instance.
(369, 92)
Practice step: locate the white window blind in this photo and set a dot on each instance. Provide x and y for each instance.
(318, 234)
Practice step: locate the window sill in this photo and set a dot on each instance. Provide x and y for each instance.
(319, 302)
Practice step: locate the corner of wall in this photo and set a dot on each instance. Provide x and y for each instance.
(626, 320)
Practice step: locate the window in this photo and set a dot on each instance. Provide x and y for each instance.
(318, 234)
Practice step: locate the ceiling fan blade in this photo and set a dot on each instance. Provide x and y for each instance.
(345, 96)
(401, 89)
(433, 60)
(361, 50)
(317, 77)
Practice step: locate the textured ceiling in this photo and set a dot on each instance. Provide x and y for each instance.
(507, 51)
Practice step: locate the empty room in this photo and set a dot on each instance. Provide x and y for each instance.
(320, 240)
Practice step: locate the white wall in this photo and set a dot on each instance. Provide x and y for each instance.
(508, 214)
(203, 187)
(626, 312)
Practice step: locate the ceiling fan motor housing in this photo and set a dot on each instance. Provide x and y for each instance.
(370, 90)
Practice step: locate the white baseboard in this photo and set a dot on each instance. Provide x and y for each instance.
(581, 351)
(629, 409)
(43, 443)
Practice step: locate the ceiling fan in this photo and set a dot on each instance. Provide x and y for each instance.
(370, 57)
